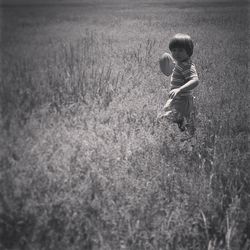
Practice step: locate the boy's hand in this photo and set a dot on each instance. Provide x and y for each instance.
(174, 92)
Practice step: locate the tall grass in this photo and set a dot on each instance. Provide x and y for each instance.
(85, 165)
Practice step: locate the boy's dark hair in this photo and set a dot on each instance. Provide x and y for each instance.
(182, 41)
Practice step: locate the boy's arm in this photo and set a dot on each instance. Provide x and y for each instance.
(191, 84)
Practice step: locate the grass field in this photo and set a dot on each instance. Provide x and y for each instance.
(83, 162)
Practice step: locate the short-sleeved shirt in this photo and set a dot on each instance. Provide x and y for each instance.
(182, 73)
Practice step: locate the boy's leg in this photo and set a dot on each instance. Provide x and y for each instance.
(166, 111)
(180, 121)
(182, 106)
(191, 122)
(181, 124)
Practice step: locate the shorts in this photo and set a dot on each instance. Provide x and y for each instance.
(183, 105)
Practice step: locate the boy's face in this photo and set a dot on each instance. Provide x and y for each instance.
(179, 54)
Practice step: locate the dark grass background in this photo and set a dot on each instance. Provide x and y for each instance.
(83, 162)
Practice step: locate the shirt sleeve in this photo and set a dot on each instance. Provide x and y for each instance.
(190, 72)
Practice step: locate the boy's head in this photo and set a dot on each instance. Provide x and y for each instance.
(182, 41)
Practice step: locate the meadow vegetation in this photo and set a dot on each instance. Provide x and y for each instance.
(83, 162)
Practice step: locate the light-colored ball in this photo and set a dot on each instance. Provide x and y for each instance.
(166, 64)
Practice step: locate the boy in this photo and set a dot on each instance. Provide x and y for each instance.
(184, 79)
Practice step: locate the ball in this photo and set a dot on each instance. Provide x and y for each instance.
(166, 64)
